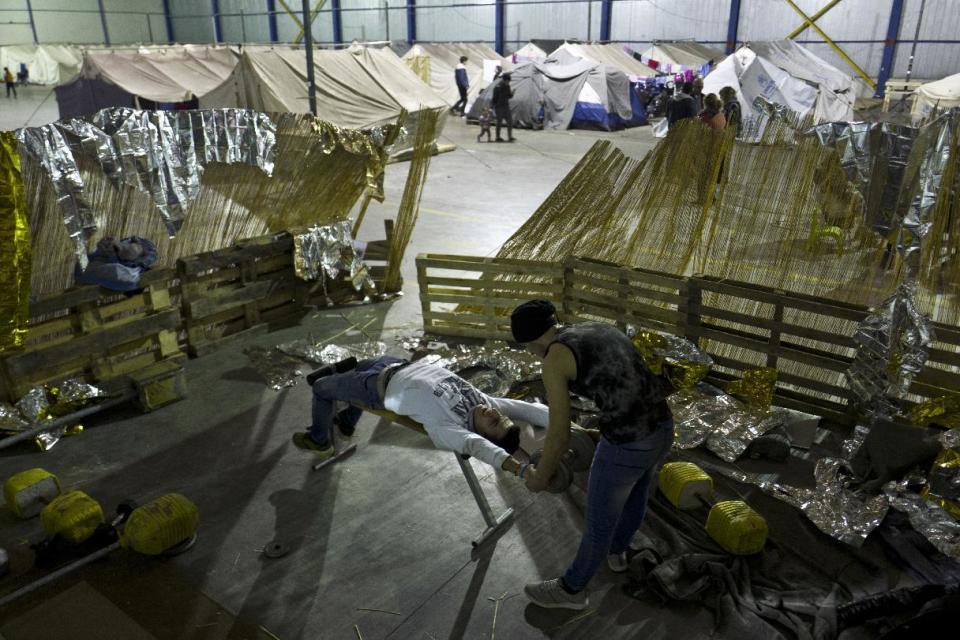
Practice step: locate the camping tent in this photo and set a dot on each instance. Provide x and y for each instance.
(942, 94)
(692, 55)
(536, 50)
(160, 75)
(819, 93)
(610, 54)
(438, 62)
(567, 92)
(46, 63)
(355, 88)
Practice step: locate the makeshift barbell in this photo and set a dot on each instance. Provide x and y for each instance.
(733, 524)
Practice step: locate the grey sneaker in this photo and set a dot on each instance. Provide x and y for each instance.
(550, 595)
(618, 562)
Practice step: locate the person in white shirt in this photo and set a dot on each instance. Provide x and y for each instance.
(455, 414)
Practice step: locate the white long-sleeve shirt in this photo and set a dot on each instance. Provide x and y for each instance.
(443, 403)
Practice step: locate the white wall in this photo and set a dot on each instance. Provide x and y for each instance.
(78, 21)
(439, 23)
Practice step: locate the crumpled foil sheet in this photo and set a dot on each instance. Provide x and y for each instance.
(160, 152)
(927, 518)
(893, 345)
(372, 143)
(322, 252)
(285, 364)
(44, 403)
(831, 506)
(943, 482)
(10, 419)
(951, 439)
(777, 111)
(720, 422)
(944, 411)
(687, 364)
(16, 253)
(755, 387)
(853, 444)
(513, 365)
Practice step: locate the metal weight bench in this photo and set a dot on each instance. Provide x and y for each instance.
(495, 524)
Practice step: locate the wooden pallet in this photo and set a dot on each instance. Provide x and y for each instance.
(238, 291)
(96, 334)
(465, 296)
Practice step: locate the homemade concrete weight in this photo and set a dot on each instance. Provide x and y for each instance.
(27, 492)
(732, 523)
(578, 457)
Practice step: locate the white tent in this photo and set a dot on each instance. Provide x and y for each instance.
(46, 63)
(611, 54)
(439, 62)
(688, 54)
(940, 94)
(529, 53)
(754, 75)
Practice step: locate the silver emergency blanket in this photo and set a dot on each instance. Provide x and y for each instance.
(284, 365)
(33, 405)
(928, 519)
(10, 419)
(831, 506)
(160, 152)
(893, 345)
(720, 422)
(41, 401)
(950, 439)
(321, 253)
(321, 352)
(511, 365)
(278, 369)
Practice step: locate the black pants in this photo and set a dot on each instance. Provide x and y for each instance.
(11, 87)
(503, 115)
(461, 104)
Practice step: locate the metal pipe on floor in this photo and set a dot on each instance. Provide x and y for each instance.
(65, 420)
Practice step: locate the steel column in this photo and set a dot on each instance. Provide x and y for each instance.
(337, 24)
(103, 22)
(499, 26)
(606, 11)
(733, 26)
(889, 48)
(168, 20)
(308, 44)
(215, 14)
(33, 26)
(411, 21)
(271, 19)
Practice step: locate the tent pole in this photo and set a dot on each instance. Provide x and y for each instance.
(308, 44)
(913, 48)
(103, 23)
(33, 25)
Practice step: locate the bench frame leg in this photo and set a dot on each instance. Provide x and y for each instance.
(494, 524)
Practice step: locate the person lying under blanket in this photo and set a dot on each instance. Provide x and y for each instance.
(455, 414)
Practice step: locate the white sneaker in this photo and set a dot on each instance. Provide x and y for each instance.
(550, 595)
(618, 562)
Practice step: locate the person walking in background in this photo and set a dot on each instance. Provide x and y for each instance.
(712, 113)
(731, 108)
(463, 84)
(486, 119)
(696, 92)
(502, 93)
(681, 105)
(8, 79)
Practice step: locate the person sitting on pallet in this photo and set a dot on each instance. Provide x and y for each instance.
(455, 414)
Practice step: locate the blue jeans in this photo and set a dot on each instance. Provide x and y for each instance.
(358, 386)
(616, 499)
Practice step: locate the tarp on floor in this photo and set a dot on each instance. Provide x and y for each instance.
(46, 63)
(940, 94)
(611, 54)
(442, 59)
(688, 54)
(568, 92)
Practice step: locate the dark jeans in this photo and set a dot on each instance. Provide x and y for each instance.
(11, 87)
(616, 499)
(461, 104)
(504, 115)
(358, 386)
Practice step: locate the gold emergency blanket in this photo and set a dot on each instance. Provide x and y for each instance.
(14, 247)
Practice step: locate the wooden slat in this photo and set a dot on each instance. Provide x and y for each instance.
(644, 275)
(770, 324)
(209, 305)
(224, 257)
(759, 346)
(491, 267)
(506, 302)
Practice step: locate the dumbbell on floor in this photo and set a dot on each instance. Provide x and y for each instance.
(578, 457)
(731, 523)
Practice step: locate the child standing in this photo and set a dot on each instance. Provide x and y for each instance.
(486, 119)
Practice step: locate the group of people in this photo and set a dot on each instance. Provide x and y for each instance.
(594, 360)
(716, 112)
(499, 109)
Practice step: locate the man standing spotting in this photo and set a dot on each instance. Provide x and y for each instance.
(599, 362)
(501, 106)
(463, 84)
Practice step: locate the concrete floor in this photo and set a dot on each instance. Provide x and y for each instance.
(390, 527)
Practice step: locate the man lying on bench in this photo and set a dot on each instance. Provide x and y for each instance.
(455, 414)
